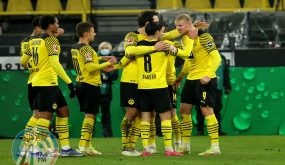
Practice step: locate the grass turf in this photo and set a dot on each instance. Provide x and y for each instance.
(251, 150)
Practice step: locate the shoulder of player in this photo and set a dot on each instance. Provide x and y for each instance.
(46, 36)
(26, 39)
(85, 47)
(133, 35)
(205, 36)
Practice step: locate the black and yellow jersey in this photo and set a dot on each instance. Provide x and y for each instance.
(130, 44)
(44, 51)
(204, 59)
(24, 47)
(130, 72)
(86, 64)
(151, 68)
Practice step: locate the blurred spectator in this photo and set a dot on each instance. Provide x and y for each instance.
(223, 85)
(104, 49)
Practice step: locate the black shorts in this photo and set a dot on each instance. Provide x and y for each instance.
(129, 95)
(172, 94)
(31, 96)
(157, 100)
(48, 98)
(199, 94)
(88, 97)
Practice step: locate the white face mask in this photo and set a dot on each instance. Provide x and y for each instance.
(105, 52)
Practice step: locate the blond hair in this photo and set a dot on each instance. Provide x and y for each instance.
(201, 24)
(197, 24)
(183, 17)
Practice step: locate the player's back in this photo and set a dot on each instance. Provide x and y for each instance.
(41, 48)
(82, 54)
(200, 60)
(151, 68)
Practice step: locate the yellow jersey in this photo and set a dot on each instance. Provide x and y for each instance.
(203, 61)
(82, 55)
(151, 68)
(40, 48)
(129, 72)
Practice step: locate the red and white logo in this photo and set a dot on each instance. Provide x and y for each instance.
(55, 48)
(88, 57)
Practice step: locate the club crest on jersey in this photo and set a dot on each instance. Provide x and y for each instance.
(55, 48)
(54, 106)
(88, 56)
(131, 101)
(130, 41)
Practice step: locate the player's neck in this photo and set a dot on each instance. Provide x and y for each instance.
(141, 30)
(83, 40)
(49, 32)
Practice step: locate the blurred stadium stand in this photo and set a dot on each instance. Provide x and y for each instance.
(236, 24)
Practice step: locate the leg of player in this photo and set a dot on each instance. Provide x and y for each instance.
(213, 131)
(63, 132)
(126, 124)
(186, 127)
(176, 129)
(166, 129)
(85, 145)
(130, 129)
(31, 124)
(145, 133)
(42, 130)
(152, 145)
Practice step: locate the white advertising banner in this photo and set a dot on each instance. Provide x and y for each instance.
(10, 63)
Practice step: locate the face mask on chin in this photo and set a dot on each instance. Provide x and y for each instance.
(105, 52)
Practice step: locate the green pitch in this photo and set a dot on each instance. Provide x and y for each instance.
(239, 150)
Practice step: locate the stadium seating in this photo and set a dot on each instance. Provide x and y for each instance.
(169, 4)
(19, 6)
(230, 4)
(47, 6)
(281, 5)
(1, 6)
(256, 4)
(75, 5)
(203, 4)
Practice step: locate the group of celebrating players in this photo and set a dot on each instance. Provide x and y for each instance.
(148, 83)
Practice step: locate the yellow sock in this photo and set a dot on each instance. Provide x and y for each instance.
(63, 132)
(29, 127)
(186, 128)
(135, 132)
(145, 128)
(31, 123)
(42, 127)
(213, 128)
(166, 130)
(42, 131)
(176, 128)
(152, 134)
(86, 132)
(125, 127)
